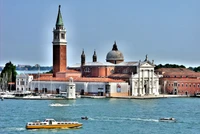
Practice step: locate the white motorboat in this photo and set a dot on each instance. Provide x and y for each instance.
(7, 94)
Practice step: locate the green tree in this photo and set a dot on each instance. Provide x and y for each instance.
(10, 71)
(169, 66)
(50, 72)
(197, 69)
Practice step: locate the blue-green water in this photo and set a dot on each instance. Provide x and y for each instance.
(106, 116)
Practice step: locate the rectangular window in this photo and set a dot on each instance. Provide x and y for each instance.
(21, 82)
(107, 88)
(62, 36)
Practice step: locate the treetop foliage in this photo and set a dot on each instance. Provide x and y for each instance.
(169, 66)
(196, 69)
(10, 71)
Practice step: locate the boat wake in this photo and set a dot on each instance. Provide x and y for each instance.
(16, 128)
(59, 105)
(65, 105)
(121, 119)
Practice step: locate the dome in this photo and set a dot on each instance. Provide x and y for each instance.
(115, 54)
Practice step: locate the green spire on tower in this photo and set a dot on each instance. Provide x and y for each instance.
(59, 21)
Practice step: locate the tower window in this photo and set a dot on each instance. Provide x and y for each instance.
(56, 36)
(62, 36)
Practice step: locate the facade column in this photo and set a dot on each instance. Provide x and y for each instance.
(152, 81)
(143, 90)
(156, 87)
(149, 87)
(139, 90)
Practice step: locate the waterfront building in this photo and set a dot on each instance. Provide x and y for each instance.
(179, 81)
(115, 77)
(23, 82)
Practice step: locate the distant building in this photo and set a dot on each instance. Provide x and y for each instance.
(180, 81)
(115, 77)
(23, 82)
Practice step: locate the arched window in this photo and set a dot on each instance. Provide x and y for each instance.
(87, 69)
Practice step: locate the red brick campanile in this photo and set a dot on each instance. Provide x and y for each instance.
(59, 46)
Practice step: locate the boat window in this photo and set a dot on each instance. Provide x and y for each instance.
(58, 123)
(45, 123)
(29, 124)
(40, 123)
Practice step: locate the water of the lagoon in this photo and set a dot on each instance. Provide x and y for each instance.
(31, 71)
(106, 116)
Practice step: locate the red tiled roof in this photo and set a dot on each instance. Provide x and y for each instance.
(11, 83)
(178, 72)
(182, 80)
(71, 71)
(168, 70)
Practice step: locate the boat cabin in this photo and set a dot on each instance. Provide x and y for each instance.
(50, 121)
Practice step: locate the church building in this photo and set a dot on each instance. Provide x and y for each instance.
(114, 77)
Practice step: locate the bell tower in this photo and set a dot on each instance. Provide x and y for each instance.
(94, 57)
(59, 46)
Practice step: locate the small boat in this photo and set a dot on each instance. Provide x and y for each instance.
(52, 124)
(197, 94)
(7, 94)
(84, 118)
(168, 119)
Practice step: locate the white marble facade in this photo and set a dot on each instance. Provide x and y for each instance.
(23, 82)
(145, 81)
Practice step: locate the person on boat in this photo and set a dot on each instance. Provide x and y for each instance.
(84, 118)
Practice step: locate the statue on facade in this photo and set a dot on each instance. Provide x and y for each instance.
(146, 59)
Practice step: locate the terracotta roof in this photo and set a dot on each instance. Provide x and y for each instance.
(188, 80)
(70, 71)
(11, 83)
(49, 74)
(177, 72)
(168, 70)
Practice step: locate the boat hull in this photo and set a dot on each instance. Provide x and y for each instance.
(60, 126)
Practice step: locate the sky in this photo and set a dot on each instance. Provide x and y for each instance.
(167, 30)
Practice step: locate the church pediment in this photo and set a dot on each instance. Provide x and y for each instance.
(146, 64)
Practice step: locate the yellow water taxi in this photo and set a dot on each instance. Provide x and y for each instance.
(52, 124)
